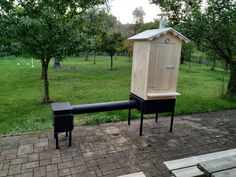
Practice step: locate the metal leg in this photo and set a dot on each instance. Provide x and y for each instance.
(57, 144)
(70, 138)
(141, 125)
(157, 117)
(66, 134)
(54, 135)
(172, 121)
(129, 116)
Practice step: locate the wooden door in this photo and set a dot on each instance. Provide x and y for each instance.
(162, 66)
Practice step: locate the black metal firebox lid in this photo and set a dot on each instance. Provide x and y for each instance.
(62, 108)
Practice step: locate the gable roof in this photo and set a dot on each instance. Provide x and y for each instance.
(151, 34)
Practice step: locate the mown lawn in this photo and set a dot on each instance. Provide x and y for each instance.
(81, 81)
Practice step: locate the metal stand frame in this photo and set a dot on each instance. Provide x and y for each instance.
(153, 107)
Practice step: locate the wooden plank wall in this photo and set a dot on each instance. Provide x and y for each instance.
(139, 68)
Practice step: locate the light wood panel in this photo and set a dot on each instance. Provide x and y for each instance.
(226, 173)
(216, 165)
(188, 172)
(139, 68)
(164, 66)
(192, 161)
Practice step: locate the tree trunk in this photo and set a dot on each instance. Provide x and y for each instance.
(182, 60)
(42, 69)
(57, 63)
(46, 98)
(226, 66)
(213, 65)
(86, 57)
(111, 62)
(232, 82)
(94, 58)
(182, 57)
(189, 56)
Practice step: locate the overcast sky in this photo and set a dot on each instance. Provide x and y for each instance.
(123, 9)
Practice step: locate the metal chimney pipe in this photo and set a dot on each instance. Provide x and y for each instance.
(163, 21)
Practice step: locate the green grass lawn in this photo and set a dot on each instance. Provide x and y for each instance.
(81, 81)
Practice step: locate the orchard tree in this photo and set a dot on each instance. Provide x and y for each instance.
(97, 21)
(128, 47)
(148, 26)
(44, 28)
(212, 27)
(111, 43)
(186, 53)
(138, 14)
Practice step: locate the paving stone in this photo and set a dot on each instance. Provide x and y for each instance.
(39, 171)
(26, 170)
(30, 165)
(67, 164)
(6, 165)
(41, 144)
(8, 151)
(29, 174)
(56, 160)
(10, 156)
(52, 173)
(98, 172)
(85, 174)
(44, 162)
(2, 157)
(25, 149)
(14, 169)
(79, 161)
(52, 167)
(18, 161)
(39, 149)
(108, 172)
(64, 172)
(67, 159)
(49, 154)
(3, 172)
(107, 167)
(33, 157)
(78, 169)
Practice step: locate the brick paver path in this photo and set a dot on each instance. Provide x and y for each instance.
(116, 149)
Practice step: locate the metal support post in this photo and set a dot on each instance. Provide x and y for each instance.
(172, 120)
(141, 125)
(57, 146)
(157, 117)
(70, 138)
(129, 116)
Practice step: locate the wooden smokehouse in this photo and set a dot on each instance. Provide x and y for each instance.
(156, 58)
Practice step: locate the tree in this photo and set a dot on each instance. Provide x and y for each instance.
(138, 14)
(110, 43)
(212, 27)
(148, 26)
(186, 52)
(44, 28)
(128, 47)
(96, 22)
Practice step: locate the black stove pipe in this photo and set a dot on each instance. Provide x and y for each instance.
(101, 107)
